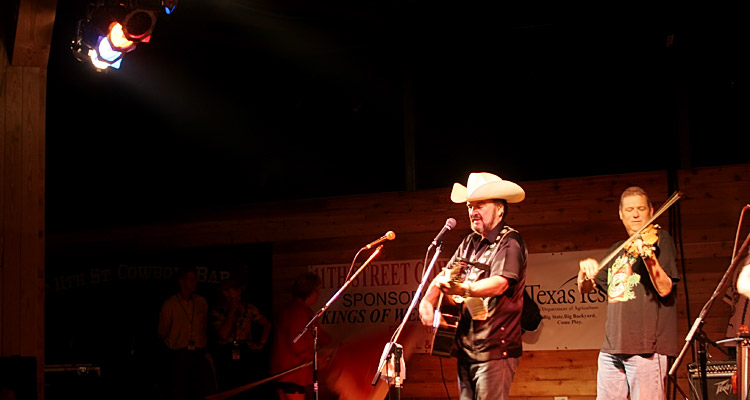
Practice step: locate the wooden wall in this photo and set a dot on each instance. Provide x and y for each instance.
(24, 50)
(557, 216)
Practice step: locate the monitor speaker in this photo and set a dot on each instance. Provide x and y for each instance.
(718, 380)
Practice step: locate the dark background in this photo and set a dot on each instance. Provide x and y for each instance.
(239, 101)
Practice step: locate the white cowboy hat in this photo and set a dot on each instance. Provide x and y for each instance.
(486, 186)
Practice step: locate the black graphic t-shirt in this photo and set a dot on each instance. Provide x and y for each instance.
(639, 321)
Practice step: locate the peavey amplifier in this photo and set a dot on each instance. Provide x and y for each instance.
(718, 378)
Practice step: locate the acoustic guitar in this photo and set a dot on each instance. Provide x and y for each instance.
(448, 313)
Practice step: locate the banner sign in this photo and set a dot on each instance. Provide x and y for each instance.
(572, 321)
(376, 300)
(380, 294)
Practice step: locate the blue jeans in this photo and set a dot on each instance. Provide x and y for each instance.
(488, 380)
(641, 376)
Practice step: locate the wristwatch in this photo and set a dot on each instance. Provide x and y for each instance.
(468, 290)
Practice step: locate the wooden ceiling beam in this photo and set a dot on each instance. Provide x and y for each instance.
(33, 33)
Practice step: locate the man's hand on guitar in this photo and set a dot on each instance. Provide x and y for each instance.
(451, 286)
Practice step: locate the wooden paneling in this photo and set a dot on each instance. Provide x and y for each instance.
(558, 215)
(22, 241)
(23, 79)
(32, 216)
(12, 211)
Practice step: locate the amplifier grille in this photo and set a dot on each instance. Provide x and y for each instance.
(713, 368)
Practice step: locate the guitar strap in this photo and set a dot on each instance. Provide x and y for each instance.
(490, 251)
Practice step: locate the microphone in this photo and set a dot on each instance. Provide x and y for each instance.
(388, 236)
(450, 223)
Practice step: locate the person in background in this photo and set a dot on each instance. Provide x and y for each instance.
(287, 354)
(182, 329)
(641, 326)
(490, 296)
(237, 353)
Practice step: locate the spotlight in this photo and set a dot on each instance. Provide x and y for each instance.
(106, 53)
(112, 28)
(101, 65)
(138, 25)
(118, 39)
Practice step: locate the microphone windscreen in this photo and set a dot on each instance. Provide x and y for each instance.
(450, 223)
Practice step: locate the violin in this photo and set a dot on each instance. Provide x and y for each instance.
(648, 235)
(643, 243)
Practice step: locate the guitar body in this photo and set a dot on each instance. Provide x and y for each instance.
(445, 325)
(448, 315)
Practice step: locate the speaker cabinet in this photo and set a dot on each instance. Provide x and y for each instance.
(718, 380)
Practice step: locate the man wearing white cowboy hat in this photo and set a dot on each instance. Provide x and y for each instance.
(489, 291)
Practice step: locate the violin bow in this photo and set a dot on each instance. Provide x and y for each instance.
(672, 199)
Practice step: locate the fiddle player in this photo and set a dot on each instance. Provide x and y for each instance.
(641, 328)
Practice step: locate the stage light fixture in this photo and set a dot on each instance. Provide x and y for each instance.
(105, 52)
(112, 28)
(138, 25)
(101, 65)
(118, 39)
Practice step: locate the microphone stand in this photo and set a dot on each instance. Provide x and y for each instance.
(393, 351)
(743, 379)
(699, 321)
(314, 331)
